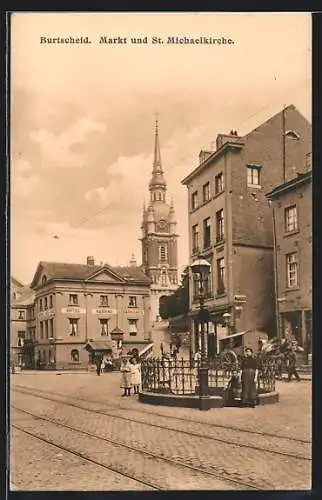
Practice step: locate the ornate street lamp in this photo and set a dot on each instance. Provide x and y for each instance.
(201, 270)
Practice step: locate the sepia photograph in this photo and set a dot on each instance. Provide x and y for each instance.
(160, 332)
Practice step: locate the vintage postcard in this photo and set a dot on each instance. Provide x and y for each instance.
(160, 238)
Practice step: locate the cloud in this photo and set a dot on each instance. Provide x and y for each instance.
(57, 149)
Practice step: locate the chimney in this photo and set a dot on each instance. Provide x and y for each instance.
(203, 155)
(223, 138)
(90, 261)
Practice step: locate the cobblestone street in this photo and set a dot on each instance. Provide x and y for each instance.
(74, 431)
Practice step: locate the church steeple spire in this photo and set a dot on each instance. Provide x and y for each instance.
(158, 181)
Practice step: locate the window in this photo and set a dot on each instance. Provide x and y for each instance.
(104, 326)
(206, 233)
(253, 175)
(308, 161)
(73, 300)
(51, 328)
(73, 327)
(292, 270)
(219, 183)
(206, 192)
(219, 225)
(291, 219)
(103, 300)
(51, 301)
(41, 330)
(32, 313)
(132, 302)
(46, 329)
(14, 296)
(220, 276)
(46, 303)
(21, 314)
(133, 330)
(194, 200)
(40, 304)
(74, 355)
(163, 253)
(21, 338)
(44, 280)
(195, 239)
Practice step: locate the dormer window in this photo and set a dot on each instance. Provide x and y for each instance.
(292, 135)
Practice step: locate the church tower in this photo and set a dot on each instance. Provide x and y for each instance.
(159, 236)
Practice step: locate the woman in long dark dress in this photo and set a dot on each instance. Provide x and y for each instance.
(249, 371)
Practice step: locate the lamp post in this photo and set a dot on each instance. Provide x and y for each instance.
(201, 269)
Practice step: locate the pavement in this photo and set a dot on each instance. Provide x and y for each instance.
(201, 439)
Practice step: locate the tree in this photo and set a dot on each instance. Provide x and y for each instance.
(177, 303)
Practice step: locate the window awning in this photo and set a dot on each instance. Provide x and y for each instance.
(99, 345)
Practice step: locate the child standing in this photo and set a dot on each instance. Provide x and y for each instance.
(125, 370)
(135, 375)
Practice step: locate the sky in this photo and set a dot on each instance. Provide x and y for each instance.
(82, 119)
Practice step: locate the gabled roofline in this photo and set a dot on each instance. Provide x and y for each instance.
(107, 269)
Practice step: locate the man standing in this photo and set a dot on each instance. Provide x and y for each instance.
(291, 365)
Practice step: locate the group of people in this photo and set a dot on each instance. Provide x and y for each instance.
(130, 375)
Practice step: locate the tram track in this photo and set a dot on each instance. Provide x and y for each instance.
(239, 484)
(105, 412)
(253, 432)
(85, 458)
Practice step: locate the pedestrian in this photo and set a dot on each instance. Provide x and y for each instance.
(135, 375)
(249, 373)
(234, 390)
(125, 370)
(102, 365)
(291, 365)
(98, 366)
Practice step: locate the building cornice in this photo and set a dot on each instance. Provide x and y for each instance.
(214, 156)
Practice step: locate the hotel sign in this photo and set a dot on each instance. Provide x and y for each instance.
(73, 310)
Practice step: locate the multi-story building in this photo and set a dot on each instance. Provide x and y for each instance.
(230, 222)
(159, 236)
(21, 301)
(79, 305)
(292, 223)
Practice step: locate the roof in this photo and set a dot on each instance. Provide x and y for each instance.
(15, 282)
(293, 183)
(99, 345)
(26, 297)
(66, 271)
(238, 143)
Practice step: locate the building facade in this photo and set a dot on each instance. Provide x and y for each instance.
(21, 305)
(230, 222)
(159, 236)
(292, 221)
(76, 304)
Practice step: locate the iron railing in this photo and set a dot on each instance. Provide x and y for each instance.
(181, 376)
